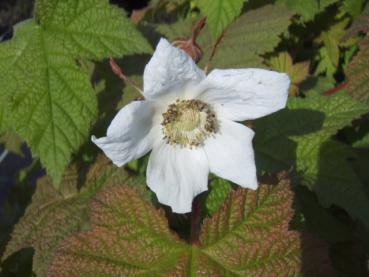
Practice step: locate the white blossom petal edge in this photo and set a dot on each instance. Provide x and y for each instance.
(188, 121)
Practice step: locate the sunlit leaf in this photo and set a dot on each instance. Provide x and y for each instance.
(220, 13)
(46, 98)
(90, 28)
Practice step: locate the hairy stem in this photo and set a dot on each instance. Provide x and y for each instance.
(118, 71)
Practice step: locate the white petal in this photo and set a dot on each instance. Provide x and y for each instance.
(177, 175)
(231, 155)
(168, 67)
(131, 134)
(242, 94)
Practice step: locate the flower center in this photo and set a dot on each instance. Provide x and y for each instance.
(188, 123)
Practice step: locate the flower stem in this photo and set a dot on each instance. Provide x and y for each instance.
(218, 41)
(118, 71)
(195, 220)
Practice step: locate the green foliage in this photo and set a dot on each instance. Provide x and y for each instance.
(49, 98)
(46, 96)
(127, 237)
(219, 190)
(248, 236)
(307, 9)
(321, 138)
(358, 74)
(258, 29)
(352, 7)
(360, 25)
(220, 13)
(90, 28)
(329, 53)
(300, 137)
(297, 72)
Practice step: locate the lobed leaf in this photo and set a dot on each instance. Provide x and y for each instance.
(127, 237)
(297, 72)
(50, 101)
(248, 236)
(47, 97)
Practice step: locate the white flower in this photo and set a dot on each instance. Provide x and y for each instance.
(188, 121)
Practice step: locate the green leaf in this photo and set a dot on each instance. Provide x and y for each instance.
(360, 25)
(50, 100)
(297, 72)
(219, 189)
(300, 137)
(352, 7)
(362, 142)
(47, 98)
(90, 28)
(307, 9)
(358, 74)
(220, 13)
(127, 237)
(258, 29)
(53, 215)
(248, 236)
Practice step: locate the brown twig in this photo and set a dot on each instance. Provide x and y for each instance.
(118, 71)
(219, 40)
(335, 89)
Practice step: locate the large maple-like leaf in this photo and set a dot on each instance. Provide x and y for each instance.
(50, 102)
(44, 95)
(248, 236)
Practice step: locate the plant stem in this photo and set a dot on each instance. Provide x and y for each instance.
(335, 89)
(195, 220)
(118, 71)
(218, 41)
